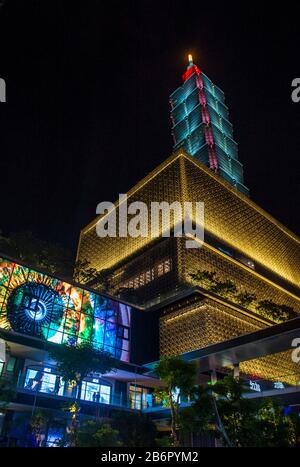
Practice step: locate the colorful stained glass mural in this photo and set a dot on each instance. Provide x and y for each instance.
(48, 308)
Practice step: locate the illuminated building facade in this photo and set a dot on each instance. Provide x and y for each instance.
(39, 311)
(50, 309)
(149, 303)
(242, 244)
(200, 125)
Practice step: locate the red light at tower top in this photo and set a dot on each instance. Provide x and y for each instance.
(190, 69)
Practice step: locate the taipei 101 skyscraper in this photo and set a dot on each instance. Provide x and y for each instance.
(200, 125)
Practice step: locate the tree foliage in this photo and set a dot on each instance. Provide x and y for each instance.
(178, 378)
(274, 311)
(224, 288)
(97, 434)
(227, 288)
(206, 278)
(251, 422)
(135, 429)
(199, 416)
(75, 363)
(40, 423)
(223, 411)
(49, 257)
(245, 298)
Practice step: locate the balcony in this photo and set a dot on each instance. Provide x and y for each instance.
(43, 387)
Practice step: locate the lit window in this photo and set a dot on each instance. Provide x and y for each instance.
(40, 381)
(95, 392)
(167, 265)
(139, 397)
(160, 270)
(148, 277)
(142, 280)
(105, 394)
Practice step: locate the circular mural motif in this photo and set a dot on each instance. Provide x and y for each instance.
(33, 308)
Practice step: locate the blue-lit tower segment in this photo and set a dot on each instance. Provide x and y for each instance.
(200, 125)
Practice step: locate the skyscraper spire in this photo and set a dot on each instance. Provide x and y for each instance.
(200, 125)
(190, 58)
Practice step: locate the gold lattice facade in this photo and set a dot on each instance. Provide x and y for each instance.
(242, 243)
(229, 216)
(199, 323)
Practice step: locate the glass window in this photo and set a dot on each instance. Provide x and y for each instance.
(48, 383)
(54, 336)
(86, 326)
(90, 391)
(59, 386)
(125, 345)
(123, 355)
(75, 300)
(110, 349)
(88, 302)
(110, 334)
(50, 309)
(55, 436)
(95, 392)
(69, 339)
(111, 315)
(105, 394)
(41, 381)
(98, 332)
(11, 364)
(72, 322)
(160, 270)
(139, 397)
(167, 266)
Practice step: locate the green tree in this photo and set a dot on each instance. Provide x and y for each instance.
(245, 298)
(206, 278)
(75, 364)
(210, 281)
(85, 274)
(41, 422)
(199, 416)
(97, 434)
(224, 288)
(276, 428)
(135, 429)
(275, 312)
(51, 258)
(250, 422)
(178, 378)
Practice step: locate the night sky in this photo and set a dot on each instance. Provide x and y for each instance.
(87, 111)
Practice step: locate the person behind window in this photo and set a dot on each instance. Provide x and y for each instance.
(29, 383)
